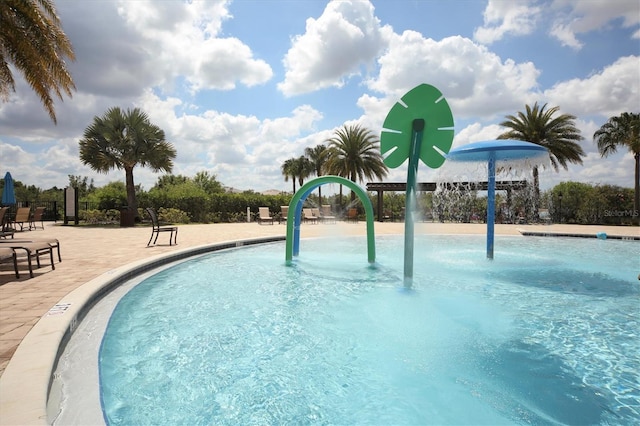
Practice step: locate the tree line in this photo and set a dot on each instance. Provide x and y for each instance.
(203, 199)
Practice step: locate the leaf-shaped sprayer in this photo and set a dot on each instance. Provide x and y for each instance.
(422, 102)
(423, 114)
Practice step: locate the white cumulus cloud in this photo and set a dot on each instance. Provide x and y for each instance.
(346, 37)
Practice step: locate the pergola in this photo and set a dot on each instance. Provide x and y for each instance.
(381, 187)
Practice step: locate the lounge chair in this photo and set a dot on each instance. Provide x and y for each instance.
(23, 216)
(264, 215)
(38, 215)
(308, 216)
(5, 230)
(7, 253)
(31, 250)
(284, 212)
(352, 215)
(157, 229)
(53, 243)
(544, 216)
(326, 215)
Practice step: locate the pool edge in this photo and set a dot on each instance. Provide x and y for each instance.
(26, 384)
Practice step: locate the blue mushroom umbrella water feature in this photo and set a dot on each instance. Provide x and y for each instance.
(8, 192)
(498, 153)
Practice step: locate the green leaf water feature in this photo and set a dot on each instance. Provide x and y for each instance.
(420, 126)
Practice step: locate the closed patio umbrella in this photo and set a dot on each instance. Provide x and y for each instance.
(8, 193)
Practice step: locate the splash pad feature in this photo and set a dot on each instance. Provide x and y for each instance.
(497, 154)
(294, 215)
(422, 113)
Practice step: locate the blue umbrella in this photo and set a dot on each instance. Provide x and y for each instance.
(8, 193)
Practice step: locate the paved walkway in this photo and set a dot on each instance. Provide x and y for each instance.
(88, 252)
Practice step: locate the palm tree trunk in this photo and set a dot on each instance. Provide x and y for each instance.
(353, 194)
(132, 203)
(536, 193)
(636, 196)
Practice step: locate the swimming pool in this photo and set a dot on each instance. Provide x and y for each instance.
(545, 333)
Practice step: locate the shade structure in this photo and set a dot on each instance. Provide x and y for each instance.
(499, 151)
(8, 192)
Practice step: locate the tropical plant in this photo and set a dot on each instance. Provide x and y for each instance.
(558, 134)
(623, 131)
(124, 140)
(297, 168)
(354, 153)
(303, 169)
(288, 172)
(317, 155)
(32, 40)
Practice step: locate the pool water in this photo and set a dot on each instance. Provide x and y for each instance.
(546, 333)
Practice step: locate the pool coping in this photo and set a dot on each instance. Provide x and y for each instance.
(26, 384)
(600, 235)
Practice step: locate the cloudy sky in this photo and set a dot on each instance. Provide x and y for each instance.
(241, 86)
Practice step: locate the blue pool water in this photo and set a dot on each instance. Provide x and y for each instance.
(546, 333)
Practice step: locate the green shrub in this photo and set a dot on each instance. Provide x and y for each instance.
(170, 215)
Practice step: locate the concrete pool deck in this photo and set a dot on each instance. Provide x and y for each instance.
(89, 253)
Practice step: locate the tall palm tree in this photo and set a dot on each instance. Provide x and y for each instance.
(298, 168)
(123, 140)
(32, 40)
(624, 131)
(303, 168)
(558, 134)
(288, 171)
(317, 155)
(354, 153)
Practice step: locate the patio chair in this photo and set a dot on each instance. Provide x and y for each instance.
(308, 216)
(23, 216)
(544, 216)
(7, 253)
(54, 243)
(38, 215)
(284, 212)
(352, 215)
(326, 215)
(5, 230)
(31, 250)
(157, 228)
(264, 215)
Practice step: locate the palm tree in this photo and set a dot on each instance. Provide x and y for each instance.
(124, 140)
(297, 167)
(32, 40)
(288, 171)
(317, 155)
(623, 130)
(558, 134)
(303, 168)
(354, 153)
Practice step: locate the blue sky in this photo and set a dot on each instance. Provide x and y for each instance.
(241, 86)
